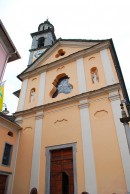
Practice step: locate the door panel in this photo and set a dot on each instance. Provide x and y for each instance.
(61, 172)
(3, 179)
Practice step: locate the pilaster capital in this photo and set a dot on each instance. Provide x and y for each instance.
(83, 104)
(39, 115)
(114, 96)
(19, 120)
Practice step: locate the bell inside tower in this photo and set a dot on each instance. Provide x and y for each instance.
(41, 42)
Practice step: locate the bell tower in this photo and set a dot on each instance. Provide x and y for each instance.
(41, 40)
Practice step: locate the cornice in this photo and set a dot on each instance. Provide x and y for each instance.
(70, 100)
(63, 61)
(61, 42)
(8, 124)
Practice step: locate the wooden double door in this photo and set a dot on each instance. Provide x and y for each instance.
(3, 181)
(61, 172)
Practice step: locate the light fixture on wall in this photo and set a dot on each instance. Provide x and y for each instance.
(5, 111)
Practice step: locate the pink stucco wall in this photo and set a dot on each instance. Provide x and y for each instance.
(3, 59)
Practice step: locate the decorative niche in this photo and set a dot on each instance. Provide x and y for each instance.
(60, 52)
(91, 58)
(32, 94)
(94, 75)
(34, 79)
(27, 130)
(101, 114)
(61, 85)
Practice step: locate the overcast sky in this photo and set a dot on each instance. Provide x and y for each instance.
(75, 19)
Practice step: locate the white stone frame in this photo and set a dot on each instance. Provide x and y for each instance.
(48, 155)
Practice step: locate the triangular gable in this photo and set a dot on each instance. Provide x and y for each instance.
(67, 46)
(62, 50)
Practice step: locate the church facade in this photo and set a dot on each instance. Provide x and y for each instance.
(72, 139)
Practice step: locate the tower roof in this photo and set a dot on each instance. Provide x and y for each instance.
(45, 26)
(46, 23)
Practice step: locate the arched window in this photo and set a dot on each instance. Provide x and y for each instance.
(41, 42)
(61, 85)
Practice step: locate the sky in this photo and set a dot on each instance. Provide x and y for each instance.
(72, 19)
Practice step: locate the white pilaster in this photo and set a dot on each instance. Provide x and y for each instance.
(115, 103)
(35, 170)
(127, 130)
(41, 89)
(81, 76)
(107, 67)
(89, 166)
(22, 95)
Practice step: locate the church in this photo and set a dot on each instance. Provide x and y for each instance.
(72, 140)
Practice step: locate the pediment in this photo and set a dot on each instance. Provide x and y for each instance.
(60, 50)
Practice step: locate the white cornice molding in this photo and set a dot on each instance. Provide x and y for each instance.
(83, 53)
(8, 124)
(67, 101)
(76, 43)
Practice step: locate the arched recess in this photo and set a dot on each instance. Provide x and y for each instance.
(61, 85)
(34, 79)
(91, 58)
(27, 130)
(101, 114)
(32, 95)
(94, 75)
